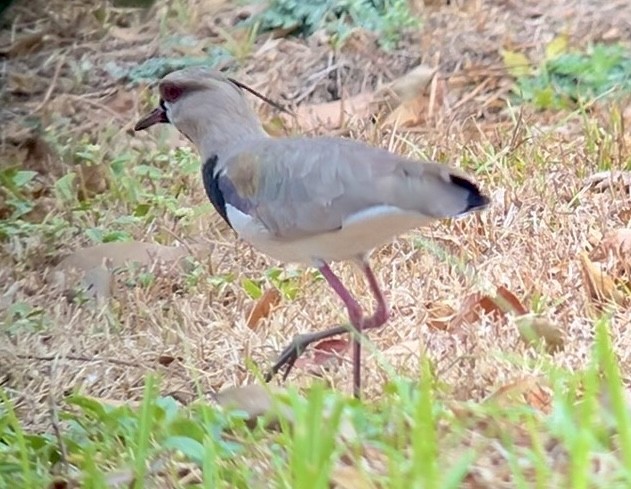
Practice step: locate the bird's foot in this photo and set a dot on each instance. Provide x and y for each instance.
(297, 347)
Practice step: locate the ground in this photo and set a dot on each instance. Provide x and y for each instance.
(72, 91)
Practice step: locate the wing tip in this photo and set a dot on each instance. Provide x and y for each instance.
(476, 200)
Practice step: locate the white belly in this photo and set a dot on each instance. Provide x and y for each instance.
(360, 233)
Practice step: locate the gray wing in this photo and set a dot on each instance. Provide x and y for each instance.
(300, 187)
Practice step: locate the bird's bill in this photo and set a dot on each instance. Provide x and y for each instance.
(156, 116)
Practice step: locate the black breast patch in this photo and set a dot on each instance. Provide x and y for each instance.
(211, 185)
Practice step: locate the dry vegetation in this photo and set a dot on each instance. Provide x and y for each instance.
(553, 227)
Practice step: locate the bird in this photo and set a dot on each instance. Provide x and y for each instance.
(310, 200)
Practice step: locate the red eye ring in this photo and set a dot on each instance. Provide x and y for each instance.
(170, 92)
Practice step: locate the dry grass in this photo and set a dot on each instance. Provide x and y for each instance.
(533, 164)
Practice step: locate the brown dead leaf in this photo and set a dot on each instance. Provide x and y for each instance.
(440, 315)
(263, 307)
(616, 243)
(532, 391)
(25, 84)
(598, 284)
(93, 267)
(38, 156)
(326, 350)
(405, 92)
(324, 355)
(166, 360)
(255, 400)
(508, 302)
(122, 101)
(413, 83)
(330, 115)
(91, 180)
(122, 253)
(24, 45)
(504, 302)
(409, 113)
(409, 98)
(42, 209)
(533, 329)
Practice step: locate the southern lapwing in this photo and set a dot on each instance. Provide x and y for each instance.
(310, 200)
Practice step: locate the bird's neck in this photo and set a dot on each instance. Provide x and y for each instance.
(219, 140)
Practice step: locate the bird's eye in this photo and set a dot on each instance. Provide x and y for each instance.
(171, 92)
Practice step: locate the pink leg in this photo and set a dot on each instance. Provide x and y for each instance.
(380, 316)
(357, 319)
(355, 313)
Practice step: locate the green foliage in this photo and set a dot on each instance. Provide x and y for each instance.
(21, 317)
(15, 184)
(422, 442)
(385, 17)
(567, 79)
(155, 68)
(286, 281)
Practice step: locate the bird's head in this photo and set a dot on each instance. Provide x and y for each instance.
(205, 106)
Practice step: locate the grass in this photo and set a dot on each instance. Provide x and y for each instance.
(408, 438)
(122, 392)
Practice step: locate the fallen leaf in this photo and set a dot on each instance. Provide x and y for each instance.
(91, 180)
(412, 84)
(533, 329)
(39, 155)
(122, 101)
(255, 400)
(166, 360)
(323, 355)
(407, 90)
(263, 307)
(413, 101)
(504, 302)
(598, 284)
(532, 391)
(508, 302)
(517, 64)
(123, 253)
(440, 315)
(409, 113)
(25, 84)
(329, 349)
(616, 243)
(93, 267)
(24, 45)
(42, 209)
(331, 115)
